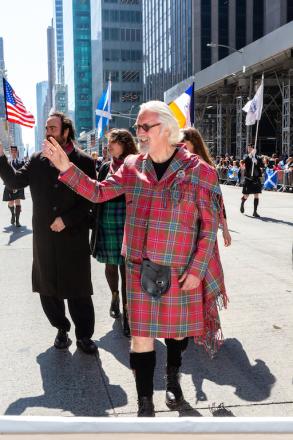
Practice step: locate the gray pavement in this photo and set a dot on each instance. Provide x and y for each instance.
(251, 376)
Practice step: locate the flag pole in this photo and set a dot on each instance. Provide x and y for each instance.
(255, 141)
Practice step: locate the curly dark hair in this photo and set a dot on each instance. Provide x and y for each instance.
(66, 123)
(199, 147)
(124, 138)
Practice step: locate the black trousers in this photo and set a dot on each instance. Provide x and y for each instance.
(81, 311)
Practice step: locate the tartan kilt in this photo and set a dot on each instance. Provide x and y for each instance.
(110, 232)
(9, 195)
(252, 186)
(176, 314)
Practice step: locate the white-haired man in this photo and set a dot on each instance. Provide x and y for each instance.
(172, 260)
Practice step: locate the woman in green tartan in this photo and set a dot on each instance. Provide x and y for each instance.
(108, 234)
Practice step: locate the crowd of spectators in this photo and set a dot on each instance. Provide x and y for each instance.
(231, 170)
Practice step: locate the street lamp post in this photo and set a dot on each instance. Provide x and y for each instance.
(230, 48)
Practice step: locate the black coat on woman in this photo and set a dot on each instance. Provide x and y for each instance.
(61, 260)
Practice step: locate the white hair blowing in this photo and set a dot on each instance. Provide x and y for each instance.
(166, 117)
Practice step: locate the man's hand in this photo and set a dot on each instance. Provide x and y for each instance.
(189, 281)
(57, 225)
(53, 151)
(1, 149)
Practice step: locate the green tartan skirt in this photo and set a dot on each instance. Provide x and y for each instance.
(110, 232)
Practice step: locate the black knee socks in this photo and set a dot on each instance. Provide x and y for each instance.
(143, 365)
(174, 351)
(255, 204)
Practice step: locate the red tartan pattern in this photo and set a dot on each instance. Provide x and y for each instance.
(163, 215)
(162, 223)
(175, 314)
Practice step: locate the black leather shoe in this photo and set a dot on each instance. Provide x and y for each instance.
(114, 308)
(145, 407)
(255, 214)
(174, 395)
(62, 340)
(87, 345)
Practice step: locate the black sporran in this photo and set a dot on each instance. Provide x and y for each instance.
(155, 279)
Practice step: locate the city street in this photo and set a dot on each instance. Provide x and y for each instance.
(252, 375)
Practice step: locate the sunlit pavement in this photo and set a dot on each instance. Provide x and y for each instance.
(251, 375)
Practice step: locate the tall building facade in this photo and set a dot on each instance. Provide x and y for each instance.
(41, 95)
(167, 48)
(60, 89)
(59, 40)
(51, 64)
(121, 37)
(81, 12)
(176, 34)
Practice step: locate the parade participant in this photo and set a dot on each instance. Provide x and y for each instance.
(196, 145)
(172, 258)
(108, 234)
(14, 196)
(61, 252)
(252, 180)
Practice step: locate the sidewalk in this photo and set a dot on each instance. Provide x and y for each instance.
(251, 376)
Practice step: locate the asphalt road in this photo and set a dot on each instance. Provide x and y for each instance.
(251, 376)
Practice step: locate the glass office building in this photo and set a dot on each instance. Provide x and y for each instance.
(81, 13)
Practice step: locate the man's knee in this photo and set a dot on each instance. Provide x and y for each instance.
(140, 344)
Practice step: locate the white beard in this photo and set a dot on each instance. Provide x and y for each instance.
(143, 148)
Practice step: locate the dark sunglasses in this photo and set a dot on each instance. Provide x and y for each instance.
(145, 127)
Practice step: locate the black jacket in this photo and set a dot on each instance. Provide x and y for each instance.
(61, 260)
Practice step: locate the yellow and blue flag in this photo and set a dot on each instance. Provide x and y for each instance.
(183, 108)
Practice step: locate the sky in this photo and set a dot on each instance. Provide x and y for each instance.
(23, 27)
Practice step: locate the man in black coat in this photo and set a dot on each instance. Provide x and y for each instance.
(252, 179)
(61, 254)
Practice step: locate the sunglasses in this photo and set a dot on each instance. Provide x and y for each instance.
(145, 127)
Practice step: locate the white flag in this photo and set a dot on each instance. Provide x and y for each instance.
(253, 108)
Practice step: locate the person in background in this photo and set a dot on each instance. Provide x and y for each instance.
(252, 180)
(61, 252)
(107, 236)
(241, 172)
(196, 145)
(14, 196)
(173, 268)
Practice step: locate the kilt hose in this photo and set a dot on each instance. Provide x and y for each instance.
(176, 314)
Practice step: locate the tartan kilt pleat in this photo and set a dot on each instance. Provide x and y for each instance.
(110, 233)
(176, 314)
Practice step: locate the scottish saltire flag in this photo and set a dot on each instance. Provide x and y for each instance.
(15, 110)
(183, 108)
(271, 179)
(253, 108)
(233, 174)
(103, 112)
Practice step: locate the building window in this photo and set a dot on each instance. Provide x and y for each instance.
(223, 9)
(258, 19)
(113, 73)
(130, 96)
(115, 96)
(240, 23)
(130, 76)
(206, 55)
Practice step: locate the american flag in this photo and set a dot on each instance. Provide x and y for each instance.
(15, 110)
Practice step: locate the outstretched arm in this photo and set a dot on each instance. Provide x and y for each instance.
(73, 177)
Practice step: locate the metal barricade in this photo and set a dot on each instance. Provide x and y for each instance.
(285, 180)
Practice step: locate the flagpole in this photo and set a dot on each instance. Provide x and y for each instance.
(255, 141)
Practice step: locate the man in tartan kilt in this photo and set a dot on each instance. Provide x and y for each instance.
(173, 205)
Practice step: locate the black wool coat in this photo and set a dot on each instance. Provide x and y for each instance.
(61, 260)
